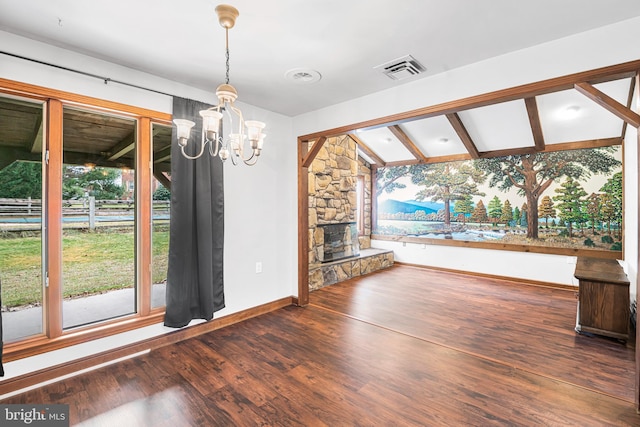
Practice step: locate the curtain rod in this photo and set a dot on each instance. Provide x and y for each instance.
(106, 80)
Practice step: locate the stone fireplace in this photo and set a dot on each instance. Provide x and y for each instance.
(340, 241)
(336, 252)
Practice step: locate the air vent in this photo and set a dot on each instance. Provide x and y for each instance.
(401, 68)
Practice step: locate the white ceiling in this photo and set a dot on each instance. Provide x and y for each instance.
(342, 39)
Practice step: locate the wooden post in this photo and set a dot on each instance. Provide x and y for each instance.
(92, 213)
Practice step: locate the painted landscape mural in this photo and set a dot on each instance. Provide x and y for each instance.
(569, 199)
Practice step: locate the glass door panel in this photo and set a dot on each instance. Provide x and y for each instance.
(98, 217)
(21, 242)
(161, 190)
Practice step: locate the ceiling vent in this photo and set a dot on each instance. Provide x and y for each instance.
(401, 68)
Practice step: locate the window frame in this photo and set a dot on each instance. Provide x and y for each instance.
(53, 336)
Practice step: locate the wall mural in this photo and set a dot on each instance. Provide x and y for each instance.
(568, 199)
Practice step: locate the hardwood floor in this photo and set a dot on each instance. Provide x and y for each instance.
(405, 346)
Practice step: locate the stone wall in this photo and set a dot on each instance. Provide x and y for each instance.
(364, 171)
(332, 190)
(370, 260)
(333, 179)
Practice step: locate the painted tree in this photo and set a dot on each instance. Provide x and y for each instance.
(532, 174)
(387, 179)
(463, 207)
(570, 201)
(613, 187)
(516, 215)
(593, 210)
(607, 210)
(494, 209)
(546, 209)
(507, 213)
(479, 214)
(523, 216)
(447, 182)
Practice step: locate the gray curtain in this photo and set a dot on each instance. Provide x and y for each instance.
(195, 288)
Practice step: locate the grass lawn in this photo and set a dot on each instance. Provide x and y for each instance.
(93, 262)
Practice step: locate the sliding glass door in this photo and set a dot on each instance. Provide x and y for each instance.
(21, 214)
(98, 217)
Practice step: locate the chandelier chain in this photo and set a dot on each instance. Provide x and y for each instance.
(227, 77)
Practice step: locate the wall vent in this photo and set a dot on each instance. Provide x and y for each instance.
(401, 68)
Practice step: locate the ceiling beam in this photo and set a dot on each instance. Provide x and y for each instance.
(632, 90)
(397, 131)
(599, 75)
(608, 103)
(9, 155)
(576, 145)
(123, 147)
(76, 158)
(162, 178)
(162, 155)
(36, 138)
(534, 121)
(464, 136)
(439, 159)
(368, 151)
(315, 149)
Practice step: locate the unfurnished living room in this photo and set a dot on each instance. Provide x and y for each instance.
(319, 213)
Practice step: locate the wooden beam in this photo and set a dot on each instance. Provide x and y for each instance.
(37, 139)
(303, 223)
(127, 144)
(315, 149)
(534, 120)
(397, 131)
(576, 145)
(557, 84)
(76, 158)
(367, 150)
(632, 90)
(162, 155)
(162, 178)
(439, 159)
(9, 155)
(608, 103)
(464, 136)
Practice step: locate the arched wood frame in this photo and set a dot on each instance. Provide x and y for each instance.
(582, 82)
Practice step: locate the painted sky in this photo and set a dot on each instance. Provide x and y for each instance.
(592, 185)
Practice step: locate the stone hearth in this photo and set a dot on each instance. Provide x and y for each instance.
(368, 261)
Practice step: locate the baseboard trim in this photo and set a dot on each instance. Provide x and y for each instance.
(18, 384)
(493, 276)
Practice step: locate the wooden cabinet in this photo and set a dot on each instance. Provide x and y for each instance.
(603, 298)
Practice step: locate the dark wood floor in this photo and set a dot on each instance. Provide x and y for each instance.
(405, 346)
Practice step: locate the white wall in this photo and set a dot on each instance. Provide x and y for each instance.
(260, 214)
(605, 46)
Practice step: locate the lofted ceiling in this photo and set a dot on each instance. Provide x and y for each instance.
(584, 116)
(345, 42)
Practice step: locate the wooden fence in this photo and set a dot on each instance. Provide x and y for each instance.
(26, 214)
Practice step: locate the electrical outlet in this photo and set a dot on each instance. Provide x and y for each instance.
(258, 267)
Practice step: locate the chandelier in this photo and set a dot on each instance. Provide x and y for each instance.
(224, 116)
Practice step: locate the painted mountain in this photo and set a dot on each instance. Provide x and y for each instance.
(390, 206)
